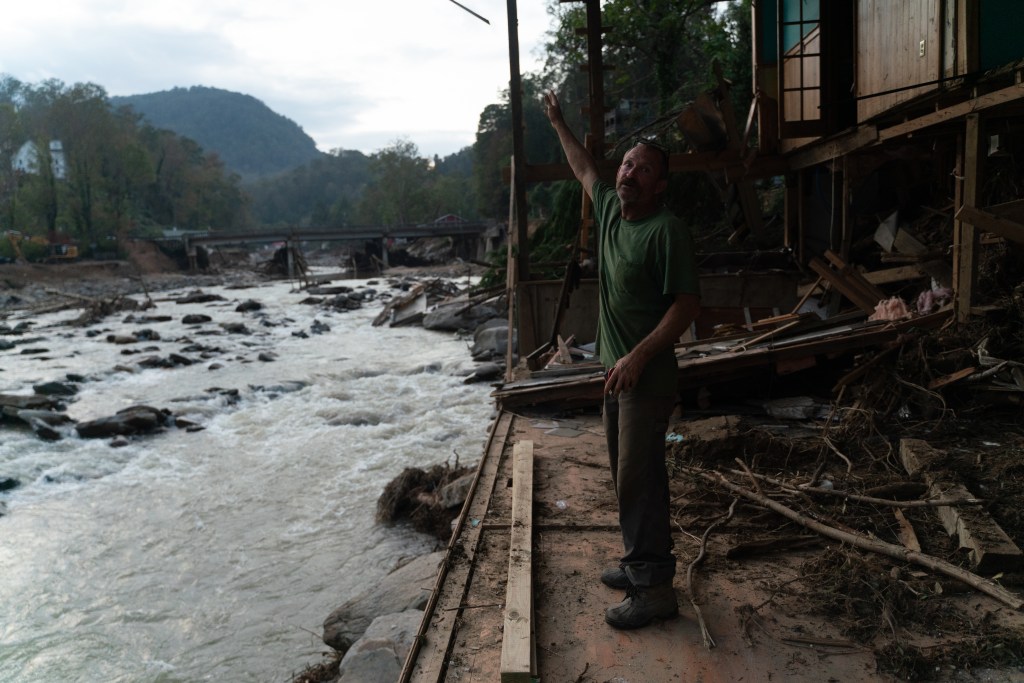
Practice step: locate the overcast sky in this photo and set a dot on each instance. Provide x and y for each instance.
(356, 74)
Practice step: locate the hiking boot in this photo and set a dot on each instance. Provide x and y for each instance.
(643, 604)
(615, 578)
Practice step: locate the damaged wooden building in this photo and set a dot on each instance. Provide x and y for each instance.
(892, 128)
(878, 119)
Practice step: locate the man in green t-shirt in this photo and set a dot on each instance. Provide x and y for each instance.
(649, 296)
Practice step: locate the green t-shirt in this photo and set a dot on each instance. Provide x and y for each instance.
(643, 265)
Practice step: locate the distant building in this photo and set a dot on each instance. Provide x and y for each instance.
(27, 159)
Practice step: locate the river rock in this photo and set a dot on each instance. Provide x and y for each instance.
(490, 340)
(454, 493)
(6, 345)
(235, 328)
(453, 318)
(378, 656)
(198, 297)
(55, 389)
(132, 420)
(11, 403)
(401, 590)
(248, 305)
(195, 319)
(52, 418)
(7, 483)
(484, 372)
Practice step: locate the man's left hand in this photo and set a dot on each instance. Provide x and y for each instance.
(623, 376)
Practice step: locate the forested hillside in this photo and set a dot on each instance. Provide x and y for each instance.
(71, 164)
(250, 139)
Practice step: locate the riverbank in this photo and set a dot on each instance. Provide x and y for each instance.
(253, 524)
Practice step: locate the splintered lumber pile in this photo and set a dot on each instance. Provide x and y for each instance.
(517, 653)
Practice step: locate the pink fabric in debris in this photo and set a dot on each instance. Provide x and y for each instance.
(890, 309)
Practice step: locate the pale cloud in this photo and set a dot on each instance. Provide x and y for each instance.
(356, 75)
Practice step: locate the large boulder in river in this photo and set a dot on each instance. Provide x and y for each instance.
(490, 340)
(131, 420)
(408, 587)
(380, 653)
(456, 316)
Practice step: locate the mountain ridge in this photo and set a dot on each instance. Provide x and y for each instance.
(250, 138)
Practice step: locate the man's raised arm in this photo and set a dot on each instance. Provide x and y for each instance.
(580, 160)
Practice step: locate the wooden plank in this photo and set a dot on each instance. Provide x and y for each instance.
(427, 659)
(940, 382)
(991, 549)
(516, 645)
(1013, 210)
(854, 277)
(889, 275)
(833, 148)
(984, 220)
(713, 368)
(980, 103)
(905, 531)
(840, 282)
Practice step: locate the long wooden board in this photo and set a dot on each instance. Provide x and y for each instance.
(516, 644)
(428, 658)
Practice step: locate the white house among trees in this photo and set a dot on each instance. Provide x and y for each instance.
(27, 159)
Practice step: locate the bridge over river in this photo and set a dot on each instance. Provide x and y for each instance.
(476, 233)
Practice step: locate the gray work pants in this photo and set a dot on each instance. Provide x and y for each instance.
(635, 427)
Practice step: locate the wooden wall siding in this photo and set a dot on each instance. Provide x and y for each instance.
(804, 73)
(889, 35)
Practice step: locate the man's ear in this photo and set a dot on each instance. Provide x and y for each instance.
(661, 186)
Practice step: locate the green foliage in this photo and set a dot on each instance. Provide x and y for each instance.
(98, 172)
(322, 193)
(663, 52)
(248, 136)
(493, 147)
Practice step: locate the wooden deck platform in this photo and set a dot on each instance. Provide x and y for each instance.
(575, 534)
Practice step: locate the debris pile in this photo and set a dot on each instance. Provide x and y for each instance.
(430, 499)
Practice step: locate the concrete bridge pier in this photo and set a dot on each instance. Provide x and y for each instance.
(384, 251)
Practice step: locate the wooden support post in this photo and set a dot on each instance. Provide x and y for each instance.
(511, 239)
(964, 235)
(515, 96)
(847, 229)
(517, 641)
(791, 209)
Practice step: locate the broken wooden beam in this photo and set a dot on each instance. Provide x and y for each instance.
(991, 549)
(983, 220)
(843, 281)
(517, 640)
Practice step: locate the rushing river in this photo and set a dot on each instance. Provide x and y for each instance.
(216, 554)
